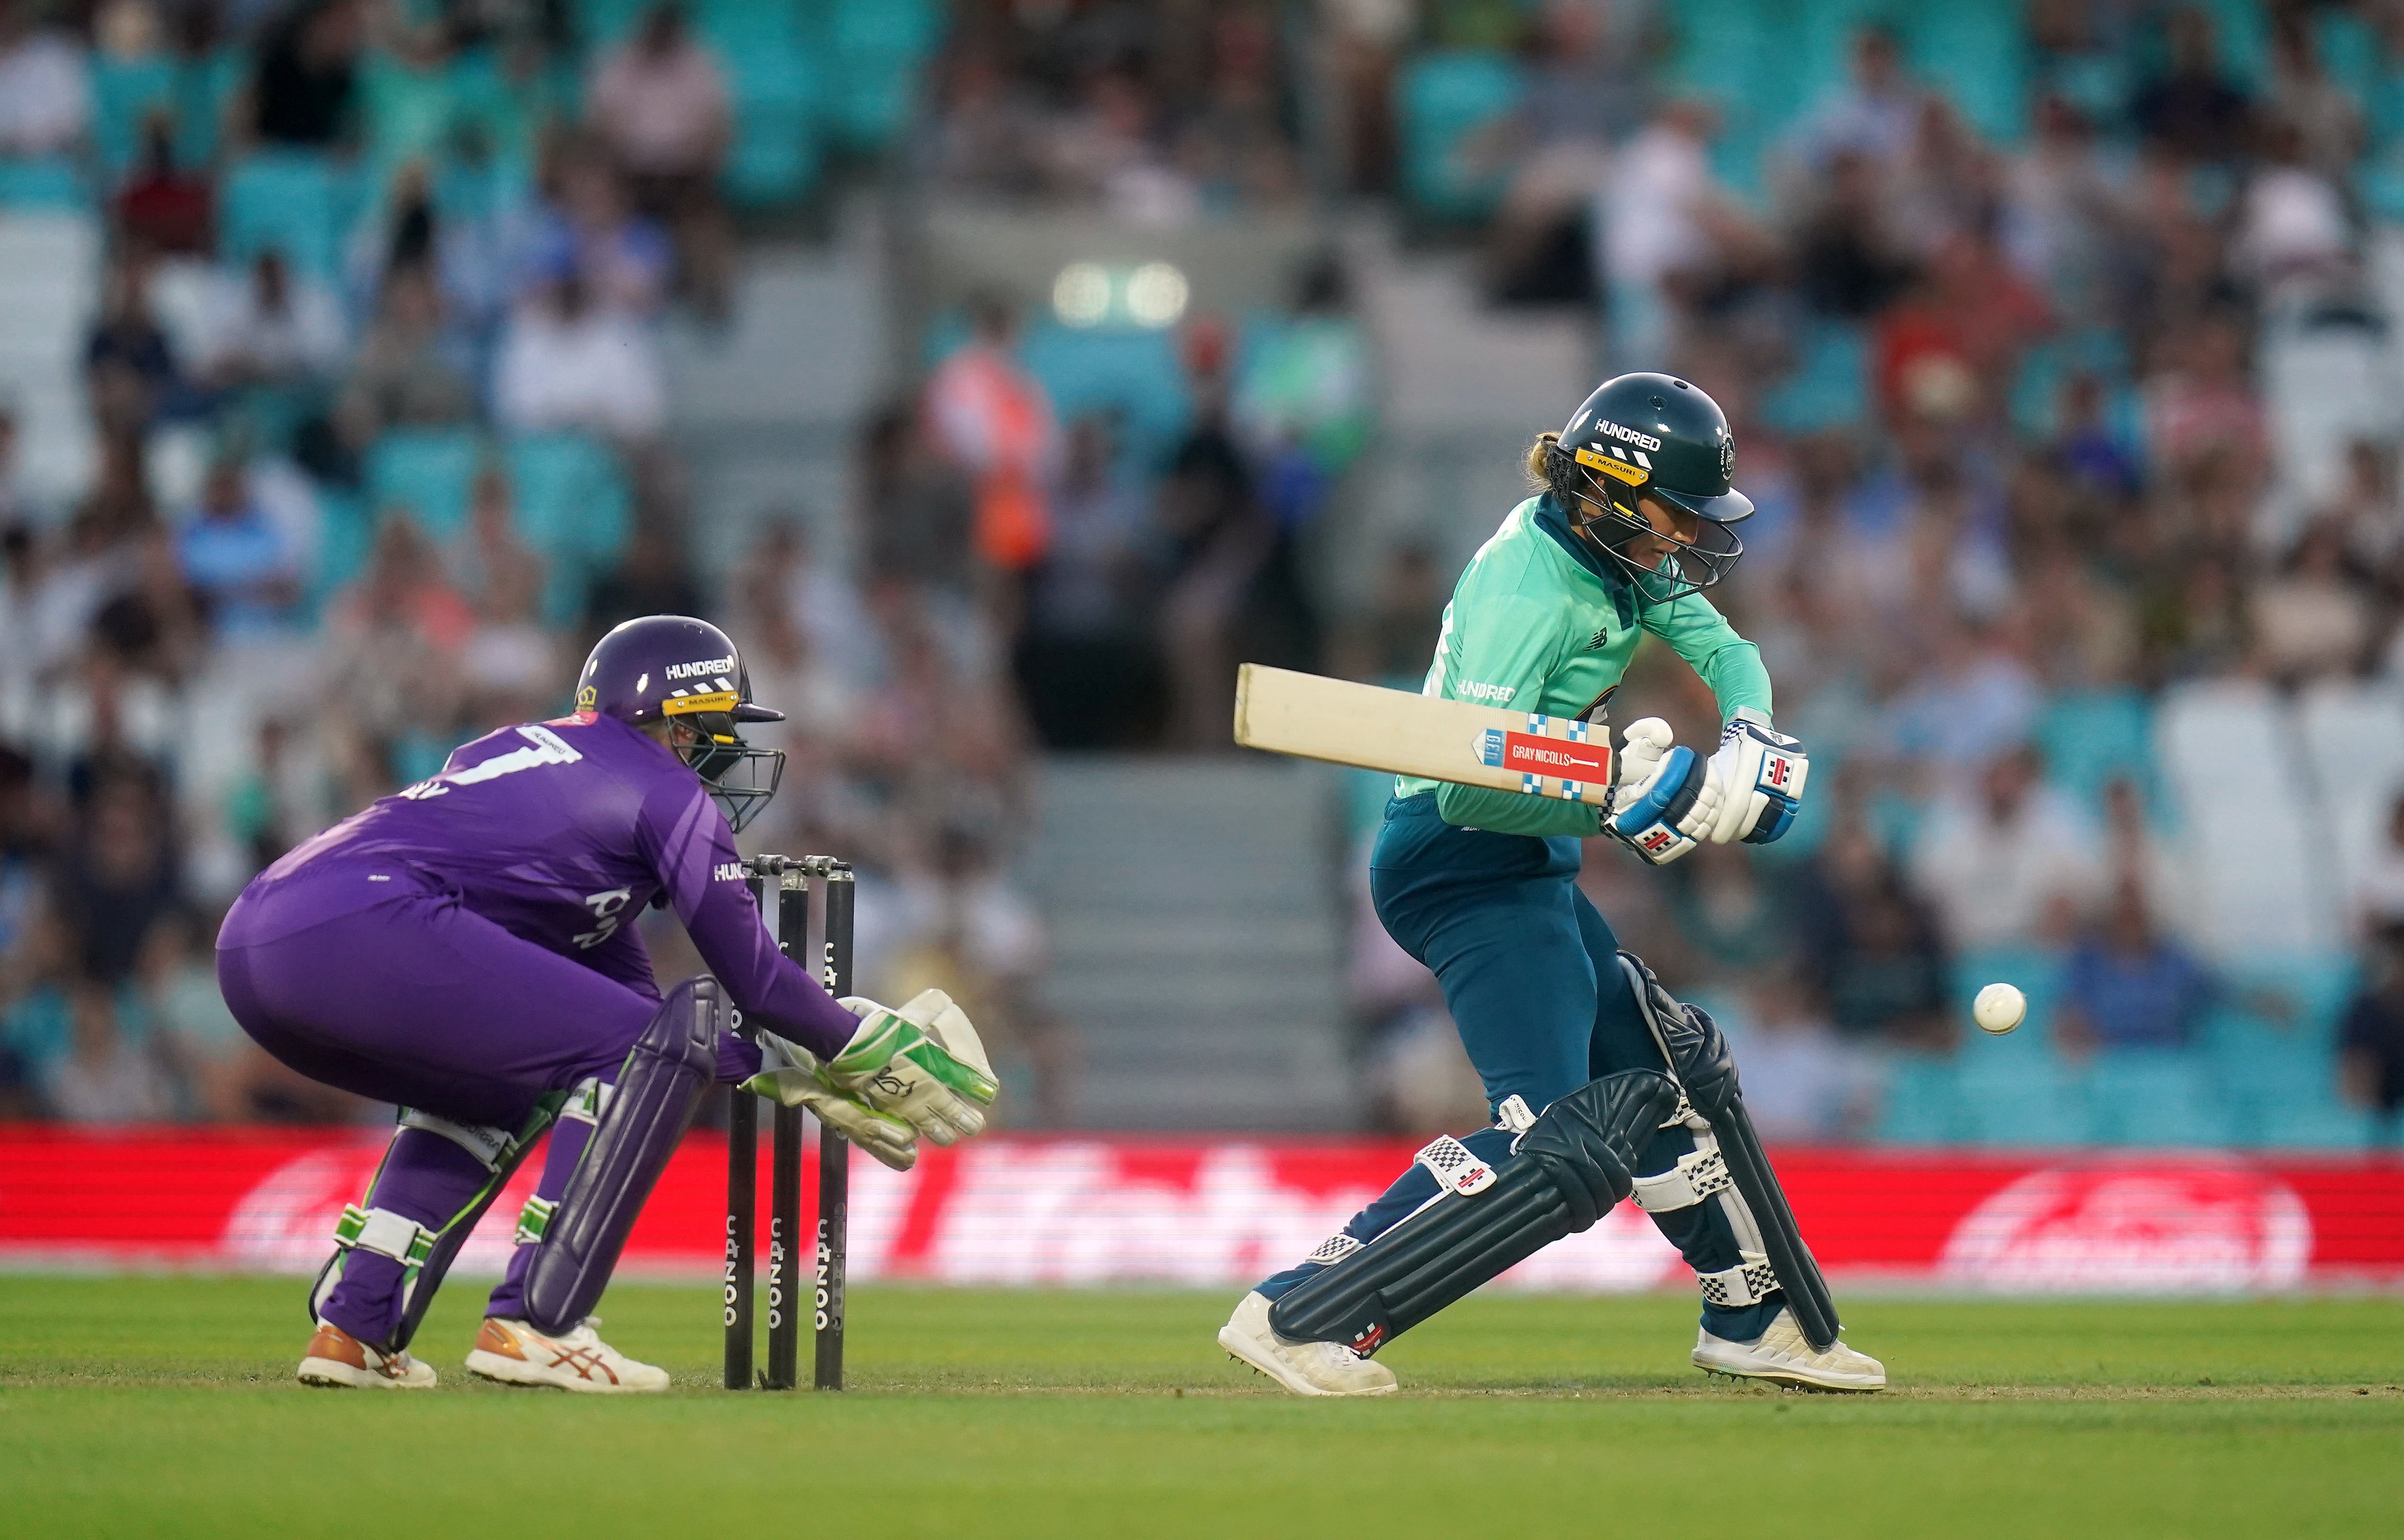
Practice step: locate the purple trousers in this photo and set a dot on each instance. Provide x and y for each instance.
(414, 999)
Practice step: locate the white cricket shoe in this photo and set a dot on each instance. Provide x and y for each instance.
(1306, 1368)
(515, 1354)
(1782, 1354)
(340, 1361)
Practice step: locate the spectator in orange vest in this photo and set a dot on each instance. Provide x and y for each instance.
(991, 418)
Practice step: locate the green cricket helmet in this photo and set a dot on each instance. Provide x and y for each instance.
(1651, 436)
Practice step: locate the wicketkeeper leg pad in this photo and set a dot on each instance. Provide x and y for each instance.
(1568, 1172)
(638, 1126)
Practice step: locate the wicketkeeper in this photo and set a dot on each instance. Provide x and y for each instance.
(1601, 1086)
(466, 948)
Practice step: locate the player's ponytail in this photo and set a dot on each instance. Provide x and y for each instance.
(1540, 460)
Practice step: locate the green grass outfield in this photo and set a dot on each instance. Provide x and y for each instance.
(164, 1405)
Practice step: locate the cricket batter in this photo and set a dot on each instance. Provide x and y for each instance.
(1634, 520)
(466, 948)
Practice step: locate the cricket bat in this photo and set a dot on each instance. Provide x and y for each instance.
(1458, 741)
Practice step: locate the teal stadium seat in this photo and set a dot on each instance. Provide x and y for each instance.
(346, 534)
(600, 23)
(1975, 53)
(878, 50)
(2349, 51)
(124, 91)
(426, 472)
(204, 89)
(574, 507)
(1829, 385)
(2022, 1101)
(1133, 371)
(2242, 30)
(2156, 1096)
(47, 183)
(2279, 1079)
(2094, 736)
(1443, 100)
(295, 201)
(774, 86)
(1739, 55)
(1921, 1102)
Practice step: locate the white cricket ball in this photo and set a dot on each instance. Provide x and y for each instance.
(1999, 1008)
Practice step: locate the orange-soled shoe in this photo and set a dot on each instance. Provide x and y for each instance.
(516, 1354)
(340, 1361)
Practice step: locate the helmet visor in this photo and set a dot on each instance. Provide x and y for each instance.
(740, 779)
(1688, 565)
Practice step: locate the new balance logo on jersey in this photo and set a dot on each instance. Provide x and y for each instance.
(1600, 640)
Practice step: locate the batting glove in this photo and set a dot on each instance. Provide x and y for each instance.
(1760, 774)
(796, 1077)
(921, 1063)
(1663, 803)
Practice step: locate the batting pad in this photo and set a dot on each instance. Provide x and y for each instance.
(1570, 1169)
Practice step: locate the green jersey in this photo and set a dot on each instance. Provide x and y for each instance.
(1540, 623)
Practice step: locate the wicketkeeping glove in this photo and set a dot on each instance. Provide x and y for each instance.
(1663, 801)
(798, 1078)
(921, 1063)
(1759, 774)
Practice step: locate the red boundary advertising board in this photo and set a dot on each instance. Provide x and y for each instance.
(1225, 1211)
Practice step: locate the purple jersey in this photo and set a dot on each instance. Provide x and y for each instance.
(560, 833)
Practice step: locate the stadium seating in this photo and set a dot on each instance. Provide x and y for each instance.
(2094, 737)
(1443, 100)
(775, 88)
(1921, 1102)
(2245, 820)
(295, 201)
(124, 91)
(1973, 51)
(875, 50)
(2325, 384)
(205, 89)
(49, 286)
(1829, 387)
(425, 472)
(2021, 1100)
(574, 507)
(39, 183)
(1133, 371)
(346, 533)
(2353, 739)
(2155, 1096)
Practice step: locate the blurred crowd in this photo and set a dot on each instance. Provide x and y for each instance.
(1157, 114)
(2068, 401)
(372, 380)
